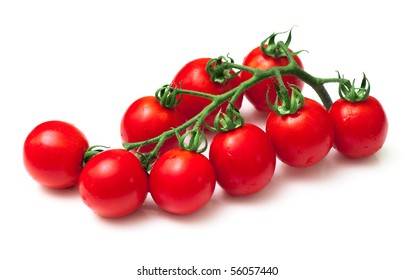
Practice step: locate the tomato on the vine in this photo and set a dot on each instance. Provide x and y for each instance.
(257, 93)
(182, 182)
(113, 183)
(304, 138)
(145, 118)
(243, 159)
(360, 128)
(53, 154)
(193, 76)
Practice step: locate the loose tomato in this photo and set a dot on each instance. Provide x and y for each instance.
(53, 154)
(182, 182)
(243, 159)
(113, 183)
(257, 93)
(360, 128)
(303, 138)
(193, 76)
(145, 118)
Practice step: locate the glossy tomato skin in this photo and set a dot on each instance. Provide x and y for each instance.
(53, 154)
(360, 128)
(182, 182)
(145, 118)
(243, 159)
(257, 93)
(113, 183)
(193, 76)
(304, 138)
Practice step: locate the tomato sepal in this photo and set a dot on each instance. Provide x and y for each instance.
(228, 121)
(349, 92)
(93, 151)
(167, 96)
(193, 140)
(285, 104)
(273, 49)
(219, 71)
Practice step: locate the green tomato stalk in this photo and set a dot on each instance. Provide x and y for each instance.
(223, 68)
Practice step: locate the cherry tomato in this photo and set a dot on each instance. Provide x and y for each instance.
(145, 118)
(257, 93)
(113, 183)
(303, 138)
(193, 76)
(360, 128)
(243, 159)
(53, 154)
(182, 182)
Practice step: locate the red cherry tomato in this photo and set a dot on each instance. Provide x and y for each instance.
(113, 183)
(53, 154)
(193, 76)
(257, 93)
(243, 159)
(360, 128)
(145, 118)
(303, 138)
(182, 182)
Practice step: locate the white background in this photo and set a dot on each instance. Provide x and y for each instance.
(85, 61)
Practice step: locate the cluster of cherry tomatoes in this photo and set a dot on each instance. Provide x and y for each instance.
(113, 182)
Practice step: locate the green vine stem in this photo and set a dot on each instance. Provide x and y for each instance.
(92, 151)
(226, 65)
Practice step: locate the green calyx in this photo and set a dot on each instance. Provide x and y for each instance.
(147, 160)
(272, 49)
(349, 92)
(289, 104)
(219, 71)
(167, 96)
(193, 140)
(92, 151)
(228, 121)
